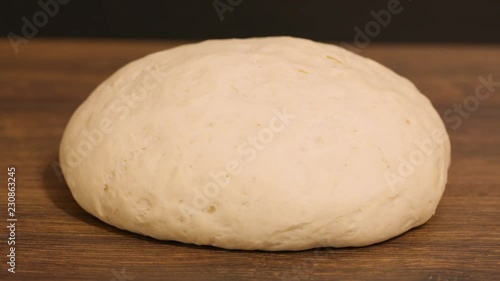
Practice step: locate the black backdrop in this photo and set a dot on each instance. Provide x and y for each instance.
(336, 20)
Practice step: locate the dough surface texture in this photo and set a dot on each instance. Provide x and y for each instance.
(273, 143)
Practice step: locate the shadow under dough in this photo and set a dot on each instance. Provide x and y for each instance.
(59, 193)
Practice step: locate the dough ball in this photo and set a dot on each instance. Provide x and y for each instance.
(271, 143)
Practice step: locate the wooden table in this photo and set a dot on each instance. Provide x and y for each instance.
(43, 84)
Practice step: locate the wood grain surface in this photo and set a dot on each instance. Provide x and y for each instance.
(44, 83)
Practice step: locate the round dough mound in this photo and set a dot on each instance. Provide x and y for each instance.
(272, 143)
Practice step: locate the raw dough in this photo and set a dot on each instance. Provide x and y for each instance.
(271, 143)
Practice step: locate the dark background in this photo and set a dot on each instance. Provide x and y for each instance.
(335, 20)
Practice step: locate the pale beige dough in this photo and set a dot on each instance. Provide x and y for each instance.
(272, 143)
